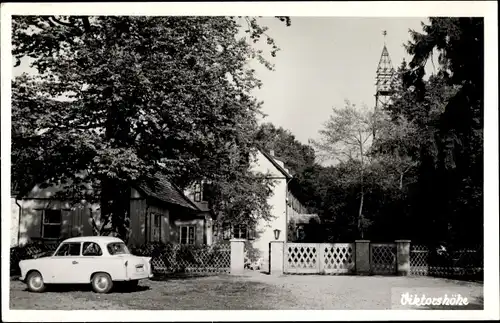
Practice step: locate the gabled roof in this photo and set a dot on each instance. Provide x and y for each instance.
(276, 164)
(163, 190)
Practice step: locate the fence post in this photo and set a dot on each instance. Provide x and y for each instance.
(237, 256)
(277, 257)
(403, 257)
(363, 257)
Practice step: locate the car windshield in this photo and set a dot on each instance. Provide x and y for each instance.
(117, 248)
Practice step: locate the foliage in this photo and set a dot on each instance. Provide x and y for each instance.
(286, 147)
(347, 136)
(118, 99)
(423, 176)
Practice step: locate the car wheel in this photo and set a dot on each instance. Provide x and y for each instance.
(35, 283)
(102, 283)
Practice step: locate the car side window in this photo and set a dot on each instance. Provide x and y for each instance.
(69, 249)
(91, 249)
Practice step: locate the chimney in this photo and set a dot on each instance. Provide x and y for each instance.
(271, 152)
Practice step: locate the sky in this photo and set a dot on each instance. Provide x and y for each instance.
(322, 62)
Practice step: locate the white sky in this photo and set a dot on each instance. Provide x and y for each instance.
(322, 62)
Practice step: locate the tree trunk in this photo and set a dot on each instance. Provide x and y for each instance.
(115, 209)
(360, 212)
(401, 181)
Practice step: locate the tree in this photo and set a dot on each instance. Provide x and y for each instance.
(141, 95)
(293, 153)
(346, 137)
(446, 114)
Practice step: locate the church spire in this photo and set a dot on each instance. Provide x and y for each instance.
(384, 78)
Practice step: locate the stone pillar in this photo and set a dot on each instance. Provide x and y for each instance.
(237, 256)
(403, 257)
(363, 257)
(277, 249)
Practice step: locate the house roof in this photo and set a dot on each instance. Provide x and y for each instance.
(167, 192)
(275, 163)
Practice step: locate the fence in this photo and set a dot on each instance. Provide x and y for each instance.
(362, 257)
(166, 258)
(29, 251)
(462, 263)
(314, 258)
(400, 257)
(174, 258)
(383, 258)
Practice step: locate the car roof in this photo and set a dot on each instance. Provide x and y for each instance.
(97, 239)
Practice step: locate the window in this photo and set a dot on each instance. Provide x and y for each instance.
(197, 192)
(51, 224)
(117, 248)
(155, 235)
(240, 231)
(69, 249)
(202, 191)
(187, 234)
(91, 249)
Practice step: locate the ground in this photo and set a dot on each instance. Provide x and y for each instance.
(250, 291)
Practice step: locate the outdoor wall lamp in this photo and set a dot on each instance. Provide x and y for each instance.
(277, 233)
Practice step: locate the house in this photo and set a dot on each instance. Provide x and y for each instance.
(285, 207)
(159, 213)
(164, 213)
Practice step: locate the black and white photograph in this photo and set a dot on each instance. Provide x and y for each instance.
(228, 158)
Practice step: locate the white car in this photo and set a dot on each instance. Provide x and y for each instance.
(97, 260)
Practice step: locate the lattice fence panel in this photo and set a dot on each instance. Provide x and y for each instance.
(383, 258)
(442, 263)
(337, 258)
(419, 260)
(181, 259)
(302, 258)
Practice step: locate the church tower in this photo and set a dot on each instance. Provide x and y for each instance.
(384, 79)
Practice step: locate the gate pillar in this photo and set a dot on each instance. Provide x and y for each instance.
(403, 257)
(277, 257)
(363, 257)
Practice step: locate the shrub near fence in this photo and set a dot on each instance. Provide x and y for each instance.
(466, 263)
(175, 258)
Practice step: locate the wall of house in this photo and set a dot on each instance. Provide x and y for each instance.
(140, 225)
(277, 201)
(75, 219)
(179, 218)
(138, 207)
(27, 225)
(14, 222)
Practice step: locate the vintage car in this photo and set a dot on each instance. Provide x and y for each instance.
(97, 260)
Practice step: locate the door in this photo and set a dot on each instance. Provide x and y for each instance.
(65, 264)
(90, 261)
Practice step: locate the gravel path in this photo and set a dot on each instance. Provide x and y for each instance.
(365, 292)
(252, 291)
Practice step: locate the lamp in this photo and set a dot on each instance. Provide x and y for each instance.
(276, 233)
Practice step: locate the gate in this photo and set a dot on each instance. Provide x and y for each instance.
(316, 258)
(383, 258)
(301, 258)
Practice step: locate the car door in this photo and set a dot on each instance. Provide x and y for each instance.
(66, 261)
(90, 261)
